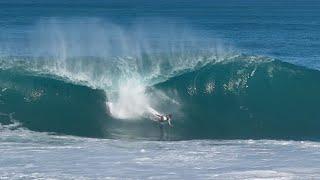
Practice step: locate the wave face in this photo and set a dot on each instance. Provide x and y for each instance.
(248, 99)
(45, 104)
(241, 97)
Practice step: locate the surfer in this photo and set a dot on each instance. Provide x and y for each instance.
(158, 117)
(161, 119)
(164, 118)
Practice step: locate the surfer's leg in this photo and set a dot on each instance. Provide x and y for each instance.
(161, 132)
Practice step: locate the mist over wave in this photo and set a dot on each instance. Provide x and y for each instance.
(121, 60)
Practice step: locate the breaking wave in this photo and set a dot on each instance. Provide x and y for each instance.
(106, 80)
(242, 97)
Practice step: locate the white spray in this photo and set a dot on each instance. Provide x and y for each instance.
(121, 60)
(131, 101)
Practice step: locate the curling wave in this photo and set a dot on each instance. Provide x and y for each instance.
(238, 97)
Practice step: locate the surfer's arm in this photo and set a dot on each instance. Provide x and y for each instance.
(169, 122)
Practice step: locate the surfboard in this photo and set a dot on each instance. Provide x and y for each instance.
(153, 111)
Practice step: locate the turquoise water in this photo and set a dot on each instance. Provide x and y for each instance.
(238, 76)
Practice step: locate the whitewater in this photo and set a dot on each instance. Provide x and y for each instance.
(32, 155)
(80, 85)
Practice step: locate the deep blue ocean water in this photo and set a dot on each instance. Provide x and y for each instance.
(287, 30)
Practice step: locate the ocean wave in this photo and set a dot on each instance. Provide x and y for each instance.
(237, 98)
